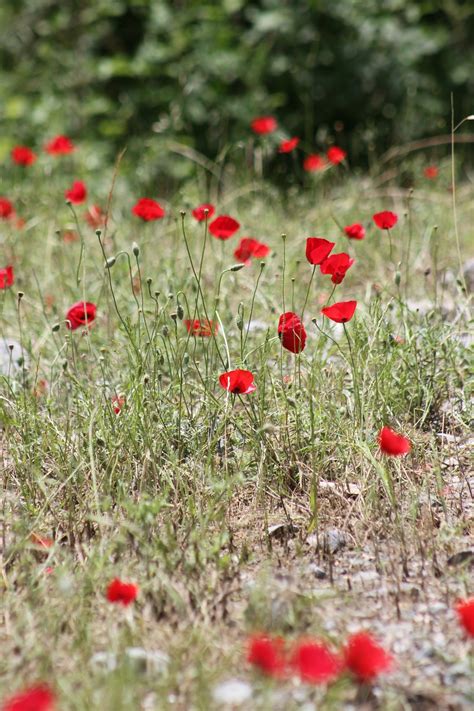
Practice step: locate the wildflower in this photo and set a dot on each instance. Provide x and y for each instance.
(22, 155)
(291, 332)
(263, 125)
(392, 443)
(431, 172)
(117, 403)
(41, 541)
(80, 314)
(59, 146)
(70, 236)
(77, 193)
(6, 208)
(385, 219)
(35, 698)
(289, 145)
(465, 611)
(365, 658)
(249, 247)
(202, 328)
(148, 210)
(267, 654)
(6, 277)
(238, 382)
(317, 249)
(340, 312)
(121, 593)
(336, 265)
(223, 227)
(95, 217)
(313, 163)
(199, 213)
(315, 663)
(355, 231)
(335, 155)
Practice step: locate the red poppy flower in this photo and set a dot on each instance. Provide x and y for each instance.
(313, 163)
(202, 328)
(95, 217)
(291, 332)
(70, 236)
(41, 541)
(267, 654)
(289, 145)
(318, 249)
(385, 219)
(336, 265)
(117, 403)
(341, 312)
(315, 663)
(431, 172)
(148, 210)
(263, 125)
(365, 658)
(250, 247)
(121, 593)
(355, 231)
(335, 155)
(6, 277)
(239, 382)
(199, 213)
(22, 155)
(392, 443)
(35, 698)
(223, 227)
(465, 611)
(77, 193)
(6, 208)
(80, 314)
(59, 146)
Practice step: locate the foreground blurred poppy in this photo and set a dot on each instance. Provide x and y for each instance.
(315, 663)
(335, 155)
(336, 265)
(267, 654)
(340, 312)
(313, 162)
(289, 145)
(22, 155)
(121, 593)
(239, 382)
(317, 249)
(291, 332)
(95, 217)
(59, 146)
(202, 327)
(355, 231)
(199, 213)
(6, 277)
(385, 219)
(392, 443)
(117, 403)
(6, 208)
(431, 172)
(465, 611)
(249, 247)
(365, 658)
(263, 125)
(80, 314)
(77, 193)
(35, 698)
(223, 227)
(148, 210)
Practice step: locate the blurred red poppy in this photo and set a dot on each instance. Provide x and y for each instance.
(289, 145)
(335, 155)
(392, 443)
(202, 327)
(465, 612)
(223, 227)
(148, 210)
(77, 193)
(121, 593)
(340, 312)
(41, 541)
(267, 654)
(263, 125)
(239, 382)
(6, 208)
(7, 277)
(59, 146)
(199, 213)
(318, 249)
(22, 155)
(35, 698)
(365, 658)
(291, 332)
(117, 403)
(355, 231)
(431, 172)
(315, 663)
(95, 217)
(336, 265)
(385, 219)
(250, 247)
(313, 163)
(80, 314)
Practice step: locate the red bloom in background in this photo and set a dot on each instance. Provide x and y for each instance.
(318, 249)
(341, 312)
(315, 663)
(431, 172)
(41, 541)
(392, 443)
(335, 155)
(121, 593)
(223, 227)
(35, 698)
(59, 146)
(267, 654)
(148, 210)
(6, 208)
(288, 145)
(6, 277)
(291, 332)
(95, 217)
(385, 219)
(336, 265)
(355, 231)
(465, 611)
(77, 193)
(250, 247)
(202, 328)
(199, 213)
(365, 658)
(239, 382)
(314, 162)
(263, 125)
(22, 155)
(80, 314)
(117, 403)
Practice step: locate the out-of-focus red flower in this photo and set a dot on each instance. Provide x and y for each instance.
(365, 658)
(7, 277)
(41, 388)
(335, 155)
(223, 227)
(431, 172)
(313, 163)
(267, 654)
(77, 193)
(121, 593)
(80, 314)
(148, 210)
(392, 443)
(263, 125)
(318, 249)
(35, 698)
(289, 145)
(385, 219)
(355, 231)
(22, 155)
(340, 312)
(201, 327)
(465, 612)
(315, 663)
(6, 208)
(41, 541)
(291, 332)
(59, 146)
(95, 217)
(239, 382)
(199, 213)
(117, 403)
(70, 236)
(336, 265)
(250, 247)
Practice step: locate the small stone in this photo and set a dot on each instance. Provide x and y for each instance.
(232, 692)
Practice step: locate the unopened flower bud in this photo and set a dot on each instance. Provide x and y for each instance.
(135, 249)
(55, 328)
(180, 312)
(110, 262)
(237, 267)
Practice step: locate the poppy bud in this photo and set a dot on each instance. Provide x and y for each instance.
(165, 331)
(64, 364)
(397, 278)
(110, 262)
(174, 316)
(240, 324)
(20, 295)
(180, 312)
(135, 249)
(182, 213)
(186, 359)
(236, 267)
(149, 280)
(98, 233)
(55, 328)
